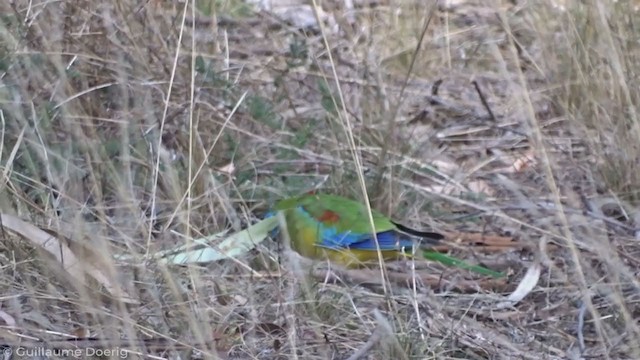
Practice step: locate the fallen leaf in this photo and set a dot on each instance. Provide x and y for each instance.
(228, 169)
(74, 269)
(8, 319)
(523, 162)
(526, 285)
(233, 246)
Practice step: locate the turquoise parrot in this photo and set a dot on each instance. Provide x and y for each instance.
(331, 227)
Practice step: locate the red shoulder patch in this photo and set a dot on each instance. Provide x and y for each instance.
(329, 216)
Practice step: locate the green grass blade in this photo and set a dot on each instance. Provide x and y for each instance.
(451, 261)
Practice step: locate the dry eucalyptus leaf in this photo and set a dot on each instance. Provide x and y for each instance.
(526, 285)
(74, 269)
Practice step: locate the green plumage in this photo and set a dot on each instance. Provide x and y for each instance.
(353, 216)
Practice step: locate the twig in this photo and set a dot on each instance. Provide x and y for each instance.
(373, 340)
(484, 101)
(580, 330)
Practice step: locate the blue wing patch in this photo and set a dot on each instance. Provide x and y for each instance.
(333, 239)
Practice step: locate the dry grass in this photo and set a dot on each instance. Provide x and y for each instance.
(120, 121)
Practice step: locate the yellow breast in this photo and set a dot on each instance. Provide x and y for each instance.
(356, 258)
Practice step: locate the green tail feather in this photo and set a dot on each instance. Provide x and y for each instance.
(451, 261)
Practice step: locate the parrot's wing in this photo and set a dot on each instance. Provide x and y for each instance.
(386, 241)
(333, 237)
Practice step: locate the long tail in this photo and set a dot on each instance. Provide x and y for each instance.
(431, 238)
